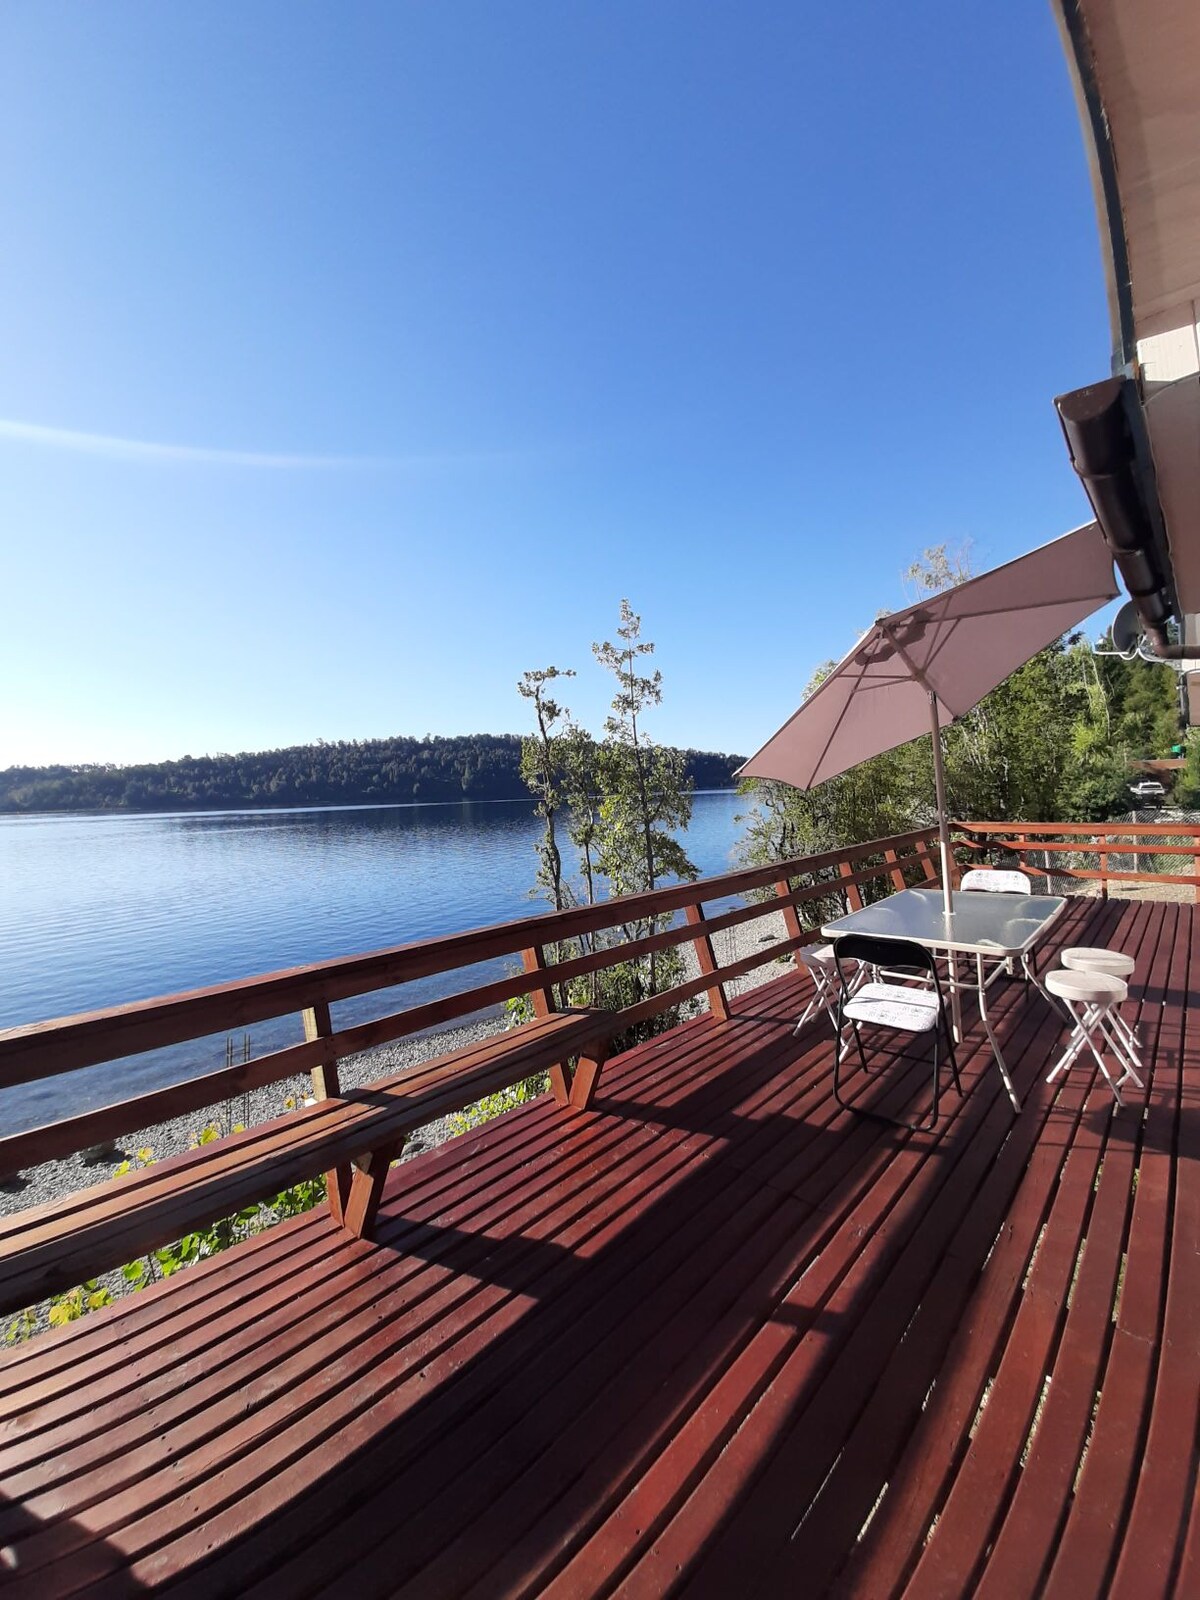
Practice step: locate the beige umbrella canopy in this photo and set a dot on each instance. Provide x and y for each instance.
(932, 662)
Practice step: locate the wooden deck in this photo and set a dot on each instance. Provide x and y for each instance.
(713, 1338)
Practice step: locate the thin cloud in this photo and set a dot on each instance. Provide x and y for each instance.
(113, 448)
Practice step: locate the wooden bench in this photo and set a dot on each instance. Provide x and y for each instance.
(354, 1137)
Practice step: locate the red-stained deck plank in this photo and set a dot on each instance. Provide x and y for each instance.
(1165, 1492)
(677, 1344)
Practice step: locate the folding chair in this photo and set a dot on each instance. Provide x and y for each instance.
(995, 880)
(1002, 880)
(896, 1006)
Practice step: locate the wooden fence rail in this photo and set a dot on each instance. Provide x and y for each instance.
(549, 947)
(1105, 840)
(555, 949)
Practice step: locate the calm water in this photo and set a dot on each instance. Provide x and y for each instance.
(98, 910)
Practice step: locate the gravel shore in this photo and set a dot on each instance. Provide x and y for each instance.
(54, 1179)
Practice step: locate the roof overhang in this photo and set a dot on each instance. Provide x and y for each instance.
(1136, 66)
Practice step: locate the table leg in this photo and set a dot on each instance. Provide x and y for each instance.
(956, 1021)
(992, 1040)
(1041, 988)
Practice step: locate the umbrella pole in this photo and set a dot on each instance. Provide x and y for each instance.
(939, 784)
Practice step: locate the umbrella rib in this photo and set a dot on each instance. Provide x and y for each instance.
(914, 670)
(949, 635)
(1032, 605)
(816, 766)
(883, 683)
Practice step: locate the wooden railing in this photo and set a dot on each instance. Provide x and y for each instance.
(46, 1049)
(1047, 848)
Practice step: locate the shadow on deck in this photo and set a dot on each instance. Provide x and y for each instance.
(715, 1337)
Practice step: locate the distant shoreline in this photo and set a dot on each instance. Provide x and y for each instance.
(282, 810)
(368, 773)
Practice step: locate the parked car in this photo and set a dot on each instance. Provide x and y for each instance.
(1148, 792)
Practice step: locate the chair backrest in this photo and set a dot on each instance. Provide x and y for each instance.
(894, 954)
(997, 880)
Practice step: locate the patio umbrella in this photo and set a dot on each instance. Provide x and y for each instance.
(934, 661)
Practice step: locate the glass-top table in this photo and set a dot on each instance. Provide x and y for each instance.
(983, 925)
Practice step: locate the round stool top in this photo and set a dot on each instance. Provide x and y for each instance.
(822, 953)
(1072, 983)
(1091, 958)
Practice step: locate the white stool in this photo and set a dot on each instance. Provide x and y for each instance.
(1094, 958)
(822, 967)
(1092, 999)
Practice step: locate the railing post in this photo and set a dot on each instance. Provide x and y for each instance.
(897, 874)
(534, 960)
(925, 855)
(318, 1024)
(1102, 840)
(853, 898)
(718, 1004)
(791, 917)
(544, 1005)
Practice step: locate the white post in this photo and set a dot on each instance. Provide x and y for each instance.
(939, 783)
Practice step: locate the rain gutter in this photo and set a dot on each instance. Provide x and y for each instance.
(1109, 448)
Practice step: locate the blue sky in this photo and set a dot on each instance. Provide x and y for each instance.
(358, 357)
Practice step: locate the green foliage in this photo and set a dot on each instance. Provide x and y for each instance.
(1187, 787)
(75, 1303)
(495, 1105)
(23, 1326)
(478, 766)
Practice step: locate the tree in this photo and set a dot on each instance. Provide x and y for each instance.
(646, 791)
(623, 798)
(1187, 787)
(542, 768)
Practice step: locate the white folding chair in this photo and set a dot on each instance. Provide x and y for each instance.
(898, 1007)
(1000, 880)
(996, 880)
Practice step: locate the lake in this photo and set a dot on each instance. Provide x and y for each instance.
(102, 909)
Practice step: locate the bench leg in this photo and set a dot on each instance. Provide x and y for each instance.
(560, 1084)
(318, 1024)
(366, 1189)
(586, 1077)
(337, 1191)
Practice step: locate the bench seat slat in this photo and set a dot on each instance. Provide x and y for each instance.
(51, 1247)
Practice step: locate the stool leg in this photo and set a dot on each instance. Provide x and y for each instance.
(1077, 1039)
(1133, 1044)
(1090, 1022)
(1107, 1074)
(1121, 1053)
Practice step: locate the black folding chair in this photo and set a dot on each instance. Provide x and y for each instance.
(896, 1006)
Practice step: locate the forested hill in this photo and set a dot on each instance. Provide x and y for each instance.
(481, 766)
